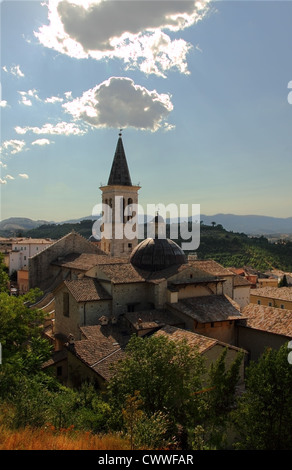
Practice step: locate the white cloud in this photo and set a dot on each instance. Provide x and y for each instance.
(3, 181)
(27, 96)
(41, 142)
(3, 165)
(62, 128)
(14, 70)
(9, 177)
(54, 99)
(3, 104)
(23, 175)
(119, 102)
(133, 32)
(13, 146)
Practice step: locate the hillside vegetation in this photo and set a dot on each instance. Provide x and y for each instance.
(237, 249)
(226, 247)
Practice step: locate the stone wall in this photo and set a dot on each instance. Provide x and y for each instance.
(80, 313)
(256, 341)
(66, 324)
(41, 273)
(223, 331)
(137, 295)
(78, 373)
(241, 295)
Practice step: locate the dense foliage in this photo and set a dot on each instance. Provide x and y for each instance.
(263, 417)
(238, 250)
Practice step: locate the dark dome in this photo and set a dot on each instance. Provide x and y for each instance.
(154, 254)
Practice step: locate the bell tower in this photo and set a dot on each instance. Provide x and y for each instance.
(118, 196)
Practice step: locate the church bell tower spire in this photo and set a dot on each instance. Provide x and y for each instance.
(118, 196)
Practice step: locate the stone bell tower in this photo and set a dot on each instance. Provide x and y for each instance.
(117, 197)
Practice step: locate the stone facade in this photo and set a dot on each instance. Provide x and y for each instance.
(118, 200)
(41, 271)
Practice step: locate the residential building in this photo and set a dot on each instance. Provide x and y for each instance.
(279, 297)
(23, 249)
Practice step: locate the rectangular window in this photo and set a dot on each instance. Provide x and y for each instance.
(270, 304)
(66, 304)
(282, 306)
(259, 302)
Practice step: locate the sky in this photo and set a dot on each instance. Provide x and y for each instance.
(200, 89)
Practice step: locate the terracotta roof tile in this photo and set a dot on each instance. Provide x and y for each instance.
(86, 290)
(211, 308)
(102, 347)
(211, 267)
(194, 340)
(280, 293)
(86, 261)
(240, 281)
(105, 367)
(270, 319)
(112, 333)
(123, 273)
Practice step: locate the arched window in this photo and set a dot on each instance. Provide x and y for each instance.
(129, 212)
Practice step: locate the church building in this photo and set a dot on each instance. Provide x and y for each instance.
(104, 294)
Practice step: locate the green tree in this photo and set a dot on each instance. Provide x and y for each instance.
(18, 322)
(166, 373)
(4, 278)
(263, 417)
(23, 347)
(222, 382)
(220, 398)
(283, 282)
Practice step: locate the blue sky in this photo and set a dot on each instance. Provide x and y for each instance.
(201, 95)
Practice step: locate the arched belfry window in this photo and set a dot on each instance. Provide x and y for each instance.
(129, 211)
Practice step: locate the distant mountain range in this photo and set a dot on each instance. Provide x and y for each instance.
(21, 224)
(248, 224)
(251, 224)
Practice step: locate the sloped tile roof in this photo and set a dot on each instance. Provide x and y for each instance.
(86, 290)
(280, 293)
(110, 332)
(86, 261)
(270, 319)
(194, 340)
(211, 267)
(123, 273)
(240, 281)
(105, 366)
(211, 308)
(102, 347)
